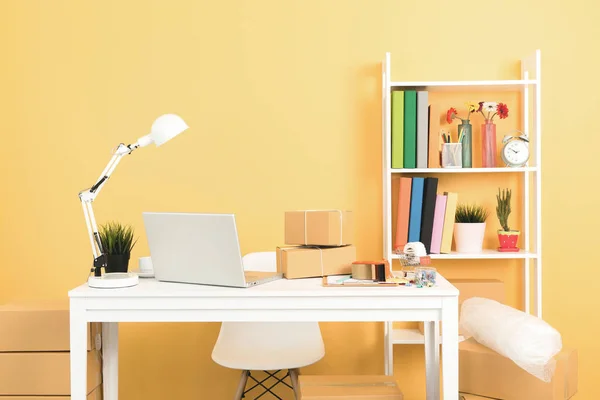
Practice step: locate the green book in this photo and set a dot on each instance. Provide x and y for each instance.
(410, 129)
(397, 129)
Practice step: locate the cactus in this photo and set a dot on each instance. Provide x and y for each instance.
(503, 208)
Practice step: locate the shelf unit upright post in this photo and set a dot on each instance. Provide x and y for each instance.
(530, 88)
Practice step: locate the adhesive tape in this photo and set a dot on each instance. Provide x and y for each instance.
(362, 271)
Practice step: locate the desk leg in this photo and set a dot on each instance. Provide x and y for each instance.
(110, 354)
(432, 359)
(78, 353)
(388, 348)
(450, 348)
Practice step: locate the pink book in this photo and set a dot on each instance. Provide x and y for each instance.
(438, 224)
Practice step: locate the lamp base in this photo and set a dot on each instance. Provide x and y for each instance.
(113, 280)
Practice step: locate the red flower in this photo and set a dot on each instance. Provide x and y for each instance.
(450, 115)
(502, 110)
(480, 106)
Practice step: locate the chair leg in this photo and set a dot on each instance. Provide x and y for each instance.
(294, 378)
(241, 386)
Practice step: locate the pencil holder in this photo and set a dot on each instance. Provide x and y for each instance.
(452, 155)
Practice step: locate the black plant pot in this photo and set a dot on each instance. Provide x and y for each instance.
(117, 262)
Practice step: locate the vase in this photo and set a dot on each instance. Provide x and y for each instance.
(469, 237)
(465, 129)
(488, 145)
(117, 262)
(508, 240)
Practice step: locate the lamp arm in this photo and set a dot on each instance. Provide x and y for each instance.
(88, 196)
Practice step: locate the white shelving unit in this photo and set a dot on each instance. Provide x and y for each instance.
(529, 87)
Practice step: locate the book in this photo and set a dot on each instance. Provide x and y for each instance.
(410, 129)
(438, 224)
(416, 207)
(428, 209)
(435, 145)
(398, 129)
(403, 212)
(422, 128)
(448, 229)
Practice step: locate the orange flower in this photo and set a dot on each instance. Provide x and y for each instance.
(450, 115)
(502, 110)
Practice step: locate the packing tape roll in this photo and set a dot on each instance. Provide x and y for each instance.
(362, 271)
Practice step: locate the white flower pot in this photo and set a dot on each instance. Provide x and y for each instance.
(469, 237)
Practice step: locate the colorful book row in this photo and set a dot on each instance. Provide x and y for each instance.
(415, 130)
(424, 215)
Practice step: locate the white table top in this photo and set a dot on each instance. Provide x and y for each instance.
(310, 287)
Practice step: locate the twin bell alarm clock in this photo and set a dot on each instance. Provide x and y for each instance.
(515, 150)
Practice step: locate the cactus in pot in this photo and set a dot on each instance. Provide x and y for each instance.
(506, 236)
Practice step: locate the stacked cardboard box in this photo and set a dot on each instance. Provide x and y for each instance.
(487, 288)
(322, 244)
(344, 387)
(34, 352)
(483, 372)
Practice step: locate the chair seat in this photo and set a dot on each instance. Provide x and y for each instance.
(268, 345)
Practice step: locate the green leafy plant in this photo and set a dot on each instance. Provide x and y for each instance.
(503, 208)
(117, 238)
(470, 214)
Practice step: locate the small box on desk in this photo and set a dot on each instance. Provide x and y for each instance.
(44, 374)
(343, 387)
(492, 289)
(319, 227)
(40, 326)
(486, 373)
(308, 262)
(95, 395)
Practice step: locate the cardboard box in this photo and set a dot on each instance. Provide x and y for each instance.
(355, 387)
(487, 288)
(44, 374)
(95, 395)
(319, 228)
(307, 262)
(486, 373)
(40, 326)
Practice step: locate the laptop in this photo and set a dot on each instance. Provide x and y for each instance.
(199, 248)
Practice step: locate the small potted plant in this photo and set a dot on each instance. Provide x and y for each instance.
(506, 236)
(117, 241)
(469, 228)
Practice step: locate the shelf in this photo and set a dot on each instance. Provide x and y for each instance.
(461, 170)
(466, 86)
(411, 336)
(485, 255)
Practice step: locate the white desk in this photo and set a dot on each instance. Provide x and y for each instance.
(282, 300)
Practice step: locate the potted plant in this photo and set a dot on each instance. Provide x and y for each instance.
(469, 228)
(506, 236)
(117, 241)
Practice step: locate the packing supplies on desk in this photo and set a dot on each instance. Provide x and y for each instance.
(343, 387)
(486, 373)
(40, 326)
(44, 374)
(487, 288)
(95, 395)
(313, 261)
(319, 227)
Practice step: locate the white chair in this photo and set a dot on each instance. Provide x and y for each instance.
(267, 346)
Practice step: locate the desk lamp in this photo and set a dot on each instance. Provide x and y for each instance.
(165, 128)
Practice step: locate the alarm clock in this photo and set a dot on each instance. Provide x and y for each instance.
(515, 150)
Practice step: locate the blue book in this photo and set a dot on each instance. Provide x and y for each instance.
(416, 207)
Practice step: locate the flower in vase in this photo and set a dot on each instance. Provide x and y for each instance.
(489, 106)
(451, 114)
(502, 110)
(472, 107)
(489, 109)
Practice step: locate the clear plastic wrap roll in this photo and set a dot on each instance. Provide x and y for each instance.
(527, 340)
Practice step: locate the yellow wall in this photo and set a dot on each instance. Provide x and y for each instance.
(283, 103)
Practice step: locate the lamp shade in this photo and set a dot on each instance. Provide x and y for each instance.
(166, 127)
